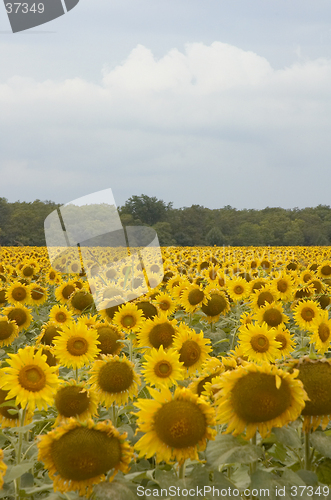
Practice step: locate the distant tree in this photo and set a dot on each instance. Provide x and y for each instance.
(215, 237)
(164, 233)
(145, 209)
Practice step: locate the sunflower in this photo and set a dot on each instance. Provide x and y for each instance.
(305, 313)
(192, 348)
(38, 294)
(114, 379)
(282, 286)
(52, 276)
(8, 331)
(109, 337)
(262, 297)
(20, 314)
(287, 342)
(129, 318)
(272, 314)
(76, 345)
(193, 297)
(80, 301)
(147, 308)
(217, 304)
(79, 454)
(157, 332)
(237, 288)
(258, 397)
(29, 379)
(211, 369)
(165, 303)
(321, 329)
(176, 426)
(8, 419)
(64, 291)
(324, 269)
(48, 332)
(60, 315)
(316, 378)
(74, 400)
(18, 293)
(258, 342)
(3, 468)
(162, 368)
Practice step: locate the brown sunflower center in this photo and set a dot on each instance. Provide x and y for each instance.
(323, 332)
(60, 317)
(164, 305)
(71, 401)
(326, 270)
(77, 346)
(32, 378)
(28, 271)
(264, 297)
(18, 315)
(273, 317)
(19, 293)
(49, 333)
(115, 376)
(83, 453)
(255, 397)
(37, 293)
(81, 300)
(260, 343)
(238, 289)
(316, 379)
(6, 329)
(195, 297)
(282, 339)
(161, 334)
(190, 353)
(307, 314)
(282, 286)
(67, 291)
(215, 305)
(180, 424)
(163, 369)
(128, 321)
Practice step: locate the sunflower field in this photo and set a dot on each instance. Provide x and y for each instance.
(214, 383)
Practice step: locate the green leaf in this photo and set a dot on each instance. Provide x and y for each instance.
(12, 412)
(8, 403)
(321, 443)
(27, 480)
(323, 471)
(308, 477)
(287, 436)
(227, 449)
(17, 471)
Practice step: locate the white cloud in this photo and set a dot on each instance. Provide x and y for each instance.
(154, 119)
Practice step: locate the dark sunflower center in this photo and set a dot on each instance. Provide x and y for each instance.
(71, 401)
(264, 297)
(190, 353)
(37, 293)
(6, 330)
(326, 270)
(255, 397)
(32, 378)
(148, 309)
(195, 297)
(215, 305)
(28, 271)
(115, 377)
(238, 289)
(18, 315)
(19, 293)
(67, 291)
(323, 332)
(77, 346)
(164, 305)
(180, 424)
(272, 317)
(282, 286)
(128, 321)
(49, 334)
(163, 369)
(307, 314)
(260, 343)
(204, 381)
(83, 453)
(81, 300)
(316, 379)
(61, 317)
(161, 334)
(282, 339)
(108, 337)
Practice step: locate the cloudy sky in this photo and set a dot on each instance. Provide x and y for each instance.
(213, 102)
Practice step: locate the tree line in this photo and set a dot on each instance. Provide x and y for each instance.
(22, 223)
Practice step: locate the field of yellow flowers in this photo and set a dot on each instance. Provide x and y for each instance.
(214, 383)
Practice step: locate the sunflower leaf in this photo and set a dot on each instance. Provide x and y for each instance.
(17, 471)
(321, 443)
(228, 449)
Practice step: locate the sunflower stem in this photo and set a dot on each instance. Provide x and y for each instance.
(113, 414)
(17, 481)
(77, 375)
(307, 451)
(181, 472)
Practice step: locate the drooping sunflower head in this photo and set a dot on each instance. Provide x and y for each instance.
(76, 345)
(79, 454)
(109, 337)
(192, 348)
(217, 304)
(81, 301)
(48, 332)
(175, 426)
(114, 379)
(258, 397)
